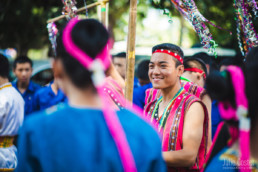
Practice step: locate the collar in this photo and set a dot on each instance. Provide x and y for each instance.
(8, 84)
(31, 86)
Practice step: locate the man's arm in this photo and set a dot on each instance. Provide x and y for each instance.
(192, 136)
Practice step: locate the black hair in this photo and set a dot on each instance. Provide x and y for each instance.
(252, 56)
(142, 70)
(203, 56)
(22, 59)
(219, 86)
(4, 66)
(91, 37)
(171, 47)
(237, 61)
(201, 65)
(119, 55)
(251, 66)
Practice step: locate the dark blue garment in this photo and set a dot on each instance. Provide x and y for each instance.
(221, 164)
(65, 138)
(139, 95)
(215, 117)
(45, 97)
(28, 96)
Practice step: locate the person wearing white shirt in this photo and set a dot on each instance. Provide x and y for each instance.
(11, 118)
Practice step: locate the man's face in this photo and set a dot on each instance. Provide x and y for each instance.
(23, 72)
(120, 65)
(163, 72)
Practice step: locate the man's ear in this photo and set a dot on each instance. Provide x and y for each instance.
(199, 76)
(180, 70)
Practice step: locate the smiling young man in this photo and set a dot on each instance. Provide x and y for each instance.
(181, 117)
(22, 68)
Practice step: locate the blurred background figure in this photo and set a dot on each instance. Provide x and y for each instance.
(119, 61)
(235, 142)
(48, 96)
(143, 77)
(22, 68)
(205, 58)
(195, 71)
(11, 118)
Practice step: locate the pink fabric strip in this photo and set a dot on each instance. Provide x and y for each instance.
(118, 135)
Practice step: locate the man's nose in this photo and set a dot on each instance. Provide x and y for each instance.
(156, 70)
(24, 72)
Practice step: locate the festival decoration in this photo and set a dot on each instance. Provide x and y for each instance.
(246, 34)
(69, 9)
(86, 9)
(52, 32)
(189, 11)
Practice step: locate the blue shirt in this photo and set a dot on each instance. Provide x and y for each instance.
(215, 117)
(221, 164)
(45, 97)
(77, 139)
(28, 96)
(136, 83)
(139, 95)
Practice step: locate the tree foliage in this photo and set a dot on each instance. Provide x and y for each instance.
(23, 22)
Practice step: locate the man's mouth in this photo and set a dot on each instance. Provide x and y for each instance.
(156, 79)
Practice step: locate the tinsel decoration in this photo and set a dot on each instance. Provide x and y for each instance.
(52, 32)
(190, 12)
(246, 34)
(69, 9)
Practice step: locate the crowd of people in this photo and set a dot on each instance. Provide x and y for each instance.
(187, 114)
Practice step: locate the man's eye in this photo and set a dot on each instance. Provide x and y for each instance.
(163, 66)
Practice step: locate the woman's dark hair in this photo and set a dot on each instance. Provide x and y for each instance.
(219, 87)
(251, 66)
(91, 37)
(171, 47)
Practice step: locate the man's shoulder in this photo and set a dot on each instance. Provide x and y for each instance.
(42, 91)
(34, 86)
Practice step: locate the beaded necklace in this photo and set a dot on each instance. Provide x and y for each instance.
(163, 118)
(184, 79)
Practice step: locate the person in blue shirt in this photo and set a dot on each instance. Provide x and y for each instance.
(139, 92)
(22, 68)
(86, 134)
(48, 96)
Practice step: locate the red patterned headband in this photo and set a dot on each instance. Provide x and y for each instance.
(175, 55)
(196, 70)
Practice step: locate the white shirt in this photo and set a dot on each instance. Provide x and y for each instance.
(11, 110)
